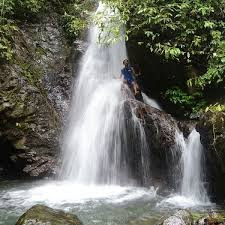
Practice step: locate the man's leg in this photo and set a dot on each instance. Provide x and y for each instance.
(135, 87)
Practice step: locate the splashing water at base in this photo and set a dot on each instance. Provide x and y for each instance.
(192, 187)
(192, 160)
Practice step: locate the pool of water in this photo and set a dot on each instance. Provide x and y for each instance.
(100, 205)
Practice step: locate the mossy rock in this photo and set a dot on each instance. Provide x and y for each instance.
(211, 218)
(43, 215)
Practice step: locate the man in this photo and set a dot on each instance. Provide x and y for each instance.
(127, 74)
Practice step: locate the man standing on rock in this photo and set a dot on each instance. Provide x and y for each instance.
(127, 74)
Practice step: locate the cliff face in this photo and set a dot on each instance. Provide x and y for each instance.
(34, 97)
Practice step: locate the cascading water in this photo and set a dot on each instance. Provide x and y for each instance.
(96, 142)
(192, 162)
(190, 170)
(151, 102)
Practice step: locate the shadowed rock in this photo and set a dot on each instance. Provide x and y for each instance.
(35, 90)
(212, 130)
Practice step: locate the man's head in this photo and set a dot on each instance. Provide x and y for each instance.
(125, 62)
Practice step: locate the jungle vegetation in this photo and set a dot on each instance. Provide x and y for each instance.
(191, 32)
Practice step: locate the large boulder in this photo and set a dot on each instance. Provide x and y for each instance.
(35, 91)
(159, 130)
(212, 130)
(43, 215)
(181, 217)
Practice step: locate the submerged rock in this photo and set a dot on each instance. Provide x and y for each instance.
(212, 130)
(43, 215)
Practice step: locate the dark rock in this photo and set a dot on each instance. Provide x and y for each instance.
(186, 127)
(160, 130)
(212, 130)
(35, 90)
(43, 215)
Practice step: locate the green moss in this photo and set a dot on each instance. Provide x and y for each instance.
(212, 218)
(20, 144)
(43, 214)
(29, 70)
(198, 216)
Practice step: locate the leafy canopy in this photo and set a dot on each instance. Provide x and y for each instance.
(73, 16)
(191, 31)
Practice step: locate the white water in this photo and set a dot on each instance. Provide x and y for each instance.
(151, 102)
(192, 161)
(96, 144)
(191, 164)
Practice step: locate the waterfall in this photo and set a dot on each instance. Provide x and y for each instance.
(192, 167)
(151, 102)
(96, 142)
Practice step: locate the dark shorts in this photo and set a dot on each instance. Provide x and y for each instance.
(129, 82)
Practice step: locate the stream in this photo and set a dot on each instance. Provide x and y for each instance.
(94, 204)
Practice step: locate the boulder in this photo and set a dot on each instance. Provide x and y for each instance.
(212, 130)
(43, 215)
(160, 130)
(181, 217)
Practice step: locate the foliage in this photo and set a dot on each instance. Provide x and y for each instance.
(73, 14)
(191, 31)
(110, 24)
(177, 96)
(215, 108)
(73, 23)
(6, 31)
(189, 103)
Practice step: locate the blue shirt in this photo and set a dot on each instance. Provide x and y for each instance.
(127, 74)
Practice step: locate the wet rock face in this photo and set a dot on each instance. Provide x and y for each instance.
(43, 215)
(212, 130)
(35, 90)
(160, 130)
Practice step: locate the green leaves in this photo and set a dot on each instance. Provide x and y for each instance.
(177, 96)
(215, 108)
(190, 31)
(6, 46)
(189, 103)
(75, 17)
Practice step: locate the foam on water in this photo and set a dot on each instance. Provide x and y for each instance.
(59, 193)
(182, 202)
